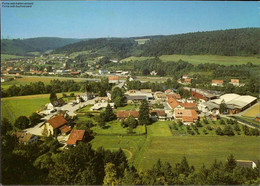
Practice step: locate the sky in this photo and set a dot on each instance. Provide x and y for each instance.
(94, 19)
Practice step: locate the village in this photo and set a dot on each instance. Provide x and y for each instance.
(57, 116)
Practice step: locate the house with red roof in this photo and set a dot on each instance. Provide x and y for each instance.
(187, 116)
(113, 79)
(55, 125)
(216, 82)
(124, 114)
(75, 137)
(158, 115)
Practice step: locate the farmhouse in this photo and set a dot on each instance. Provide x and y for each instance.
(124, 114)
(236, 103)
(75, 137)
(217, 83)
(135, 99)
(25, 138)
(187, 116)
(113, 79)
(53, 125)
(86, 96)
(175, 104)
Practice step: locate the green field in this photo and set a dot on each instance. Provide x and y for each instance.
(197, 59)
(13, 107)
(128, 107)
(199, 149)
(7, 56)
(30, 79)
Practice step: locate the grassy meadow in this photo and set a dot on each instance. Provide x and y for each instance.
(160, 143)
(13, 107)
(197, 59)
(8, 56)
(31, 79)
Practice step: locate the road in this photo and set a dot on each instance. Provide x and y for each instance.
(36, 130)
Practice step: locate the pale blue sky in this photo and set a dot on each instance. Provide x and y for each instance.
(92, 19)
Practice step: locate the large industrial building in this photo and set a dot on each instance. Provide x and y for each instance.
(235, 103)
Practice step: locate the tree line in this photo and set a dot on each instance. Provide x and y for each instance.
(41, 163)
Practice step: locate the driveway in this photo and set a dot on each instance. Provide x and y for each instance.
(36, 130)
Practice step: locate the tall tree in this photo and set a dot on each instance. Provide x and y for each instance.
(110, 175)
(143, 117)
(53, 97)
(109, 114)
(22, 122)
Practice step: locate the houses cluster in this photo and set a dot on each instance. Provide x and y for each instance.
(220, 83)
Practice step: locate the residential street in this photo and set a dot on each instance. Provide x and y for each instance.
(36, 130)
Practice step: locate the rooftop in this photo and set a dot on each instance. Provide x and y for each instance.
(75, 135)
(57, 121)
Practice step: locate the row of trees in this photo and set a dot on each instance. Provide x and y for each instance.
(58, 86)
(41, 163)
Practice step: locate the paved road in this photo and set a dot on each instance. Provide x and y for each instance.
(36, 130)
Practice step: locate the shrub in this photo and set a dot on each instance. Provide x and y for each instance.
(219, 131)
(228, 131)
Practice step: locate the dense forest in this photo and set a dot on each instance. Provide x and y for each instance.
(112, 47)
(233, 42)
(41, 44)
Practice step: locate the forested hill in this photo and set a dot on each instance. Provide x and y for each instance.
(116, 47)
(40, 44)
(233, 42)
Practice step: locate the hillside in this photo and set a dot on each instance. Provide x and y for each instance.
(41, 44)
(233, 42)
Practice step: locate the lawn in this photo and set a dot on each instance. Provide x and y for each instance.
(197, 149)
(160, 143)
(197, 59)
(253, 111)
(115, 128)
(7, 56)
(128, 107)
(13, 107)
(130, 143)
(29, 79)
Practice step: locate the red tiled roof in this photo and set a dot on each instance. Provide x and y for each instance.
(217, 81)
(113, 78)
(127, 113)
(158, 112)
(187, 115)
(65, 128)
(57, 121)
(172, 102)
(174, 95)
(75, 135)
(189, 105)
